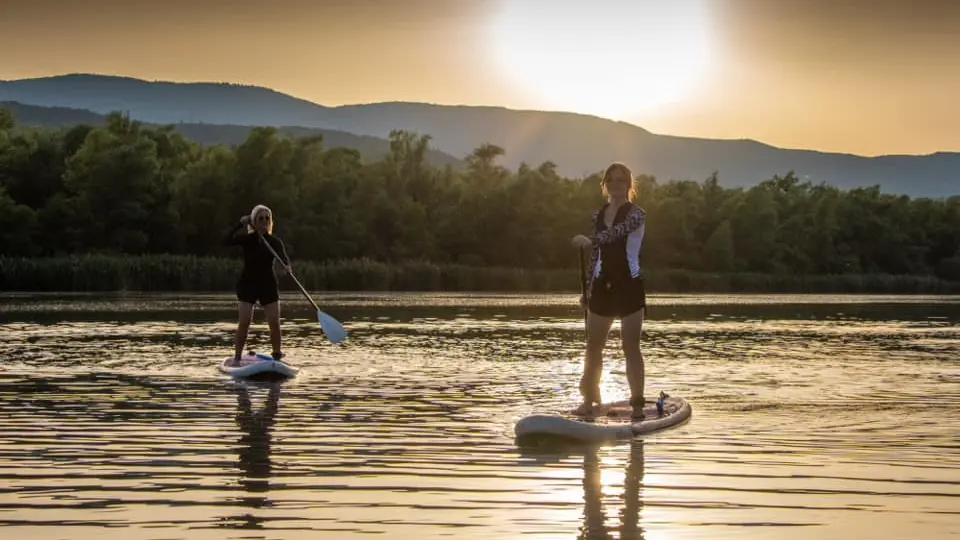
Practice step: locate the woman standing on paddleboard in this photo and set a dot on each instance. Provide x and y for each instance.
(257, 281)
(614, 287)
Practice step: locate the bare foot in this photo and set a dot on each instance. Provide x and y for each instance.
(637, 415)
(585, 409)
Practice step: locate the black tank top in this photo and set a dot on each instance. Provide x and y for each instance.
(613, 256)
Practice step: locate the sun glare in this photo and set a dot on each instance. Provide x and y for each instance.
(610, 58)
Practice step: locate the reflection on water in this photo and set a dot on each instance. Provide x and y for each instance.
(611, 507)
(595, 516)
(253, 449)
(835, 419)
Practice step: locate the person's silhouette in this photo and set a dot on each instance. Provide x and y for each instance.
(254, 449)
(594, 514)
(550, 451)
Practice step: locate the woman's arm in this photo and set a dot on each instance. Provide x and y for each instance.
(278, 246)
(234, 239)
(635, 218)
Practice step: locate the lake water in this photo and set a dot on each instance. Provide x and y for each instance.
(814, 417)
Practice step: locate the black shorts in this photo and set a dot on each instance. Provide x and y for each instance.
(251, 291)
(609, 299)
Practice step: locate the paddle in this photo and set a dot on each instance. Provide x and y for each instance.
(583, 287)
(334, 331)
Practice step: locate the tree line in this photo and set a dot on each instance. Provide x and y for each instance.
(126, 189)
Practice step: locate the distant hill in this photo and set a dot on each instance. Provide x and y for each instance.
(578, 144)
(370, 148)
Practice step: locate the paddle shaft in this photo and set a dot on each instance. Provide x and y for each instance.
(289, 271)
(583, 287)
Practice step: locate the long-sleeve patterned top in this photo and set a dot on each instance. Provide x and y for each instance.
(617, 250)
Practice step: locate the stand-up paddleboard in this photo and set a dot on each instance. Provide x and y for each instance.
(607, 422)
(256, 365)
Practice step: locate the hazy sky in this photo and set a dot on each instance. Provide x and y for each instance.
(861, 76)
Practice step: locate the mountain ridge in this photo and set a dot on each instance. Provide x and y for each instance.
(370, 148)
(578, 144)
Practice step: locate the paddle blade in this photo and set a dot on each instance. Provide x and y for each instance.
(331, 327)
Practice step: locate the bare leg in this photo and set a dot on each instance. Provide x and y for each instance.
(272, 311)
(631, 330)
(245, 311)
(597, 329)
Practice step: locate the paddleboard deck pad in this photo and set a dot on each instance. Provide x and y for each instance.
(607, 421)
(257, 365)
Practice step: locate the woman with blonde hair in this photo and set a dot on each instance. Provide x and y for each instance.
(257, 282)
(614, 287)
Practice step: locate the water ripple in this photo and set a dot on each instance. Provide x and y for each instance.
(116, 422)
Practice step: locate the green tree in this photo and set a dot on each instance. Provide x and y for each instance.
(113, 178)
(718, 253)
(197, 201)
(17, 227)
(129, 187)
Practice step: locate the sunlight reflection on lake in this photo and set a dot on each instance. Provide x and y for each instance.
(814, 416)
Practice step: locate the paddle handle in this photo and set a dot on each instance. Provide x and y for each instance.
(289, 271)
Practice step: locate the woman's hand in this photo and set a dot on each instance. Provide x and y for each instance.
(581, 242)
(245, 219)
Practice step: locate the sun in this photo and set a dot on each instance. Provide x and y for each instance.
(611, 58)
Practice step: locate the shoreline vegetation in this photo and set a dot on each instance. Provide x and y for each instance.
(185, 273)
(129, 207)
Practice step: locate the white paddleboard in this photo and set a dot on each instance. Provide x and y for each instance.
(257, 365)
(606, 422)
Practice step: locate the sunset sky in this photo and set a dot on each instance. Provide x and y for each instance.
(862, 76)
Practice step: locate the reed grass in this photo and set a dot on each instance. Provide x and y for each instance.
(156, 273)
